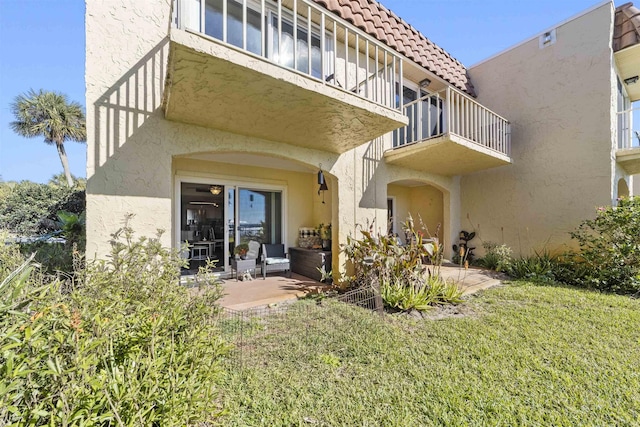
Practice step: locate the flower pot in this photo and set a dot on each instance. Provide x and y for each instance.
(326, 244)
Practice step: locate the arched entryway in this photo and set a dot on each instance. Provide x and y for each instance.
(423, 201)
(223, 200)
(623, 188)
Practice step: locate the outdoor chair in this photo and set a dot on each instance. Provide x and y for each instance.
(274, 259)
(254, 250)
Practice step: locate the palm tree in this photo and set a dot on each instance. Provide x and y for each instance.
(51, 115)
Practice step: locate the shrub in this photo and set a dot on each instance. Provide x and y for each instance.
(610, 247)
(462, 252)
(497, 257)
(130, 347)
(29, 208)
(405, 274)
(434, 290)
(538, 267)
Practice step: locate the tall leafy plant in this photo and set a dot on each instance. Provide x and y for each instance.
(129, 347)
(405, 273)
(610, 247)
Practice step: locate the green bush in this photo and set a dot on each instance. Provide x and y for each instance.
(610, 247)
(497, 257)
(433, 291)
(28, 208)
(129, 347)
(539, 267)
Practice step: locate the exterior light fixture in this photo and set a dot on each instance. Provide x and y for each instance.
(424, 83)
(631, 80)
(322, 182)
(215, 190)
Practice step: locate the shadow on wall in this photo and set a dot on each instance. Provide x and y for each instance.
(120, 116)
(370, 164)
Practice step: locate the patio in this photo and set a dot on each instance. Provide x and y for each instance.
(277, 288)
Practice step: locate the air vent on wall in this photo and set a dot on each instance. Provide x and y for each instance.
(547, 39)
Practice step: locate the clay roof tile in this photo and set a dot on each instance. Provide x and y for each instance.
(381, 23)
(626, 29)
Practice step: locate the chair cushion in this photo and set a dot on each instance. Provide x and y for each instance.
(273, 251)
(272, 261)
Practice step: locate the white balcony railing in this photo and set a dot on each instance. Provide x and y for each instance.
(301, 36)
(451, 111)
(629, 128)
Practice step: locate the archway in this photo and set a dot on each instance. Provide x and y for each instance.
(423, 201)
(258, 197)
(623, 188)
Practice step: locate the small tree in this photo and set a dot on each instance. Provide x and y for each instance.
(51, 115)
(610, 247)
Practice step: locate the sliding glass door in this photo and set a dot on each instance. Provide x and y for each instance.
(259, 216)
(215, 217)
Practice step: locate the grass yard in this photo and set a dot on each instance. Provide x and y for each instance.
(523, 355)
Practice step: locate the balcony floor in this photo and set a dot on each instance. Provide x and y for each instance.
(629, 159)
(213, 85)
(448, 155)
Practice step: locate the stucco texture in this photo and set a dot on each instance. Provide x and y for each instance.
(559, 100)
(135, 155)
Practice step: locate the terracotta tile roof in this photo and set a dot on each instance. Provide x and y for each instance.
(379, 22)
(626, 27)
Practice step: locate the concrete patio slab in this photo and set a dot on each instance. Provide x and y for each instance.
(239, 295)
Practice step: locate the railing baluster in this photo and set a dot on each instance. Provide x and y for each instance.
(295, 35)
(357, 62)
(346, 58)
(280, 32)
(428, 134)
(244, 24)
(375, 86)
(263, 33)
(225, 10)
(367, 77)
(385, 92)
(392, 82)
(310, 63)
(467, 118)
(335, 53)
(323, 68)
(202, 26)
(398, 90)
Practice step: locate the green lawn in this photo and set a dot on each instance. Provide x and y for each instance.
(523, 355)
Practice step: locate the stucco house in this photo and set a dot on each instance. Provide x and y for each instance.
(212, 120)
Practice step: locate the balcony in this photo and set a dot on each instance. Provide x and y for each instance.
(286, 71)
(449, 133)
(628, 152)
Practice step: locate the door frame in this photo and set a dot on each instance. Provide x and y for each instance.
(226, 181)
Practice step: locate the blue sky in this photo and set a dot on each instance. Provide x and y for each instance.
(42, 46)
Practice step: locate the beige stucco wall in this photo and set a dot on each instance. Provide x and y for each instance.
(135, 156)
(559, 100)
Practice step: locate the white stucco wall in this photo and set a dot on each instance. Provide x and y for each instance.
(560, 102)
(134, 154)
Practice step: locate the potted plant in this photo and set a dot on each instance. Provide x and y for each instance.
(241, 250)
(325, 234)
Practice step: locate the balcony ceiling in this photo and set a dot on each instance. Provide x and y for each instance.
(215, 86)
(447, 155)
(629, 159)
(628, 62)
